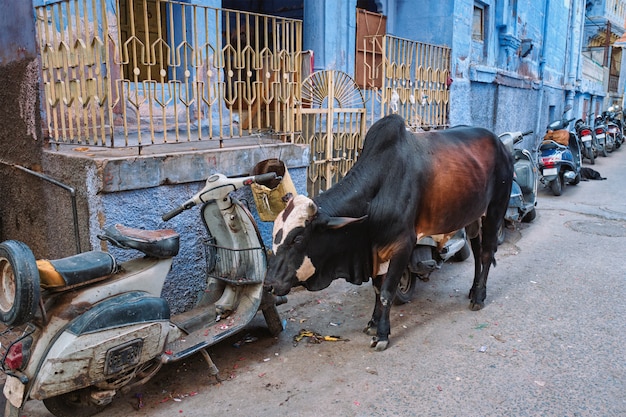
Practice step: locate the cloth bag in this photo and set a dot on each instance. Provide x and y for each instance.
(268, 196)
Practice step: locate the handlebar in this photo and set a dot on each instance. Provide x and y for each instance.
(218, 182)
(528, 132)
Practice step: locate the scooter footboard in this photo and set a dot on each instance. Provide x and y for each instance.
(108, 342)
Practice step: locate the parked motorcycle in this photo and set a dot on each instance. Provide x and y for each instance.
(560, 160)
(523, 198)
(614, 129)
(83, 328)
(602, 141)
(428, 256)
(587, 141)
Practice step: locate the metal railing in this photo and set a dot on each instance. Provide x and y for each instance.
(140, 72)
(409, 78)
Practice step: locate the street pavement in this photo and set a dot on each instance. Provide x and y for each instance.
(551, 340)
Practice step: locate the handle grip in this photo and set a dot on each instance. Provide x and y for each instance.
(171, 214)
(185, 206)
(528, 132)
(265, 177)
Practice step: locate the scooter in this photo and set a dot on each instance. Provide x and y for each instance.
(523, 198)
(614, 130)
(429, 254)
(587, 141)
(603, 141)
(81, 329)
(560, 160)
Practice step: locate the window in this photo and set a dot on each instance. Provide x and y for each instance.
(478, 24)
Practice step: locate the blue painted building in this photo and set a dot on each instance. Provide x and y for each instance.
(515, 64)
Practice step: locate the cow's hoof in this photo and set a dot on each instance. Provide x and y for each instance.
(474, 306)
(379, 345)
(370, 331)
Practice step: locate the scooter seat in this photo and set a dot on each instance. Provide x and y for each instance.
(163, 243)
(75, 270)
(550, 144)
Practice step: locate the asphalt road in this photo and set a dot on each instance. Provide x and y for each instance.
(551, 340)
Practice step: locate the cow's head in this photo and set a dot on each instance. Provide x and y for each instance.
(302, 240)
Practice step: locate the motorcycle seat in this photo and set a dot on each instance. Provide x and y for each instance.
(66, 273)
(550, 144)
(163, 243)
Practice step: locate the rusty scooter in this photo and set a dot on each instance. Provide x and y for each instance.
(79, 330)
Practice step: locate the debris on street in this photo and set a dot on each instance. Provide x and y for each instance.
(314, 337)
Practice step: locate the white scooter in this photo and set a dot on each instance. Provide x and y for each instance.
(78, 330)
(523, 200)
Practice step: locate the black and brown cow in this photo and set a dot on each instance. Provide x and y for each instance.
(403, 186)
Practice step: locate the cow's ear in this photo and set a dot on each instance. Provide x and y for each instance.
(339, 222)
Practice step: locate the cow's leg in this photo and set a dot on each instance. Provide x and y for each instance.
(488, 247)
(397, 265)
(372, 325)
(473, 233)
(478, 264)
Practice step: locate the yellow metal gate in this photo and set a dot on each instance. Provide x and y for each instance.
(333, 125)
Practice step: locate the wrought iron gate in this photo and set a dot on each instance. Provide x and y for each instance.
(333, 125)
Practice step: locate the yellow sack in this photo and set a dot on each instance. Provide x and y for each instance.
(559, 136)
(268, 196)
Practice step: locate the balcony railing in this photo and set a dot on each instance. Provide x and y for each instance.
(409, 78)
(140, 72)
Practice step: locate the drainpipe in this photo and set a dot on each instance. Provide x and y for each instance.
(573, 56)
(542, 62)
(72, 192)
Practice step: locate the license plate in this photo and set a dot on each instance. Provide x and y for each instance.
(14, 391)
(601, 136)
(586, 138)
(549, 171)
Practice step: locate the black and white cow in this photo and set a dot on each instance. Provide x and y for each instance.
(402, 187)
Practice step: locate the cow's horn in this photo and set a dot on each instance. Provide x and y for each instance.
(311, 209)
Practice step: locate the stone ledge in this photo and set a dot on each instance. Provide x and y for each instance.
(124, 170)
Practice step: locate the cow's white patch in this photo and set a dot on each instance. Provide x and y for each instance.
(383, 268)
(306, 270)
(296, 218)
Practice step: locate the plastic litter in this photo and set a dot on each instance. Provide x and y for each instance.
(314, 337)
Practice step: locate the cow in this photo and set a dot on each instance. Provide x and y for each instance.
(402, 187)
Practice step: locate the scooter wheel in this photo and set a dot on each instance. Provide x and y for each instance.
(272, 318)
(406, 288)
(463, 254)
(557, 186)
(530, 216)
(74, 404)
(19, 283)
